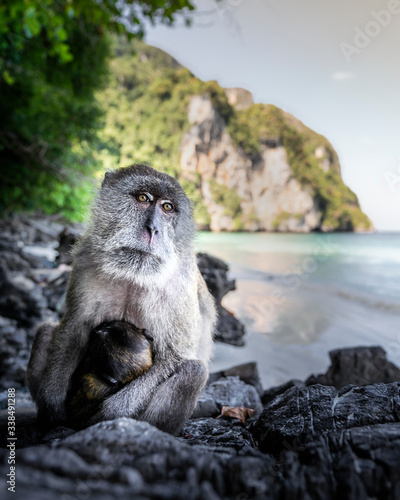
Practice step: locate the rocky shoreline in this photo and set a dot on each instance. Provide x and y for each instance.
(334, 435)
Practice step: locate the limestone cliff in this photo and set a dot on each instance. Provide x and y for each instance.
(268, 195)
(271, 198)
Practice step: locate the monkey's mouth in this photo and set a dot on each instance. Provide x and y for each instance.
(133, 251)
(137, 257)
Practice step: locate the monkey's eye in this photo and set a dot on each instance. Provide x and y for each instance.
(168, 207)
(143, 198)
(109, 379)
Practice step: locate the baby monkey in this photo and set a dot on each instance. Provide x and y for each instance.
(119, 352)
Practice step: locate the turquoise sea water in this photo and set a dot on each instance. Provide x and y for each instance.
(301, 295)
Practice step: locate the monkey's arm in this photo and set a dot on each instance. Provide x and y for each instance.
(67, 347)
(65, 351)
(164, 396)
(131, 399)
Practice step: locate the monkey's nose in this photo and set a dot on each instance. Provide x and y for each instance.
(102, 333)
(152, 229)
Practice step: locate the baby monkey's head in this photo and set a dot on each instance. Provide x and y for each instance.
(118, 353)
(142, 224)
(121, 351)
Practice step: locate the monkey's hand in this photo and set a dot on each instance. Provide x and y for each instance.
(49, 417)
(50, 402)
(133, 398)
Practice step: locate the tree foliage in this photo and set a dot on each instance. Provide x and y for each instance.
(53, 57)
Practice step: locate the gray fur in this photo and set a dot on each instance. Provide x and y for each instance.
(124, 270)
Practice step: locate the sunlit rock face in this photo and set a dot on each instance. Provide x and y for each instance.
(271, 198)
(239, 98)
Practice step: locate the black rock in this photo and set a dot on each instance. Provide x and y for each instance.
(341, 465)
(247, 372)
(215, 273)
(20, 299)
(362, 365)
(27, 251)
(132, 459)
(229, 329)
(14, 262)
(14, 353)
(229, 391)
(39, 257)
(270, 394)
(223, 432)
(45, 228)
(315, 443)
(332, 444)
(301, 414)
(358, 366)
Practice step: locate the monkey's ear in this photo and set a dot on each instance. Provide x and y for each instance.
(107, 179)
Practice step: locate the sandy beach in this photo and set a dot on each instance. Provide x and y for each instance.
(300, 296)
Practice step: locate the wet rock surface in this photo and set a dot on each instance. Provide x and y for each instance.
(229, 391)
(310, 442)
(135, 460)
(27, 265)
(215, 273)
(301, 414)
(358, 366)
(333, 436)
(248, 373)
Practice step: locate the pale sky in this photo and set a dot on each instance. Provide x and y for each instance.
(334, 64)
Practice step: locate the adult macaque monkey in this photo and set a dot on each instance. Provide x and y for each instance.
(136, 262)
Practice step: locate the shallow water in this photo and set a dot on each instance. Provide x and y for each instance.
(301, 295)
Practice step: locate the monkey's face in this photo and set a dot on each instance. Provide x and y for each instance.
(142, 223)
